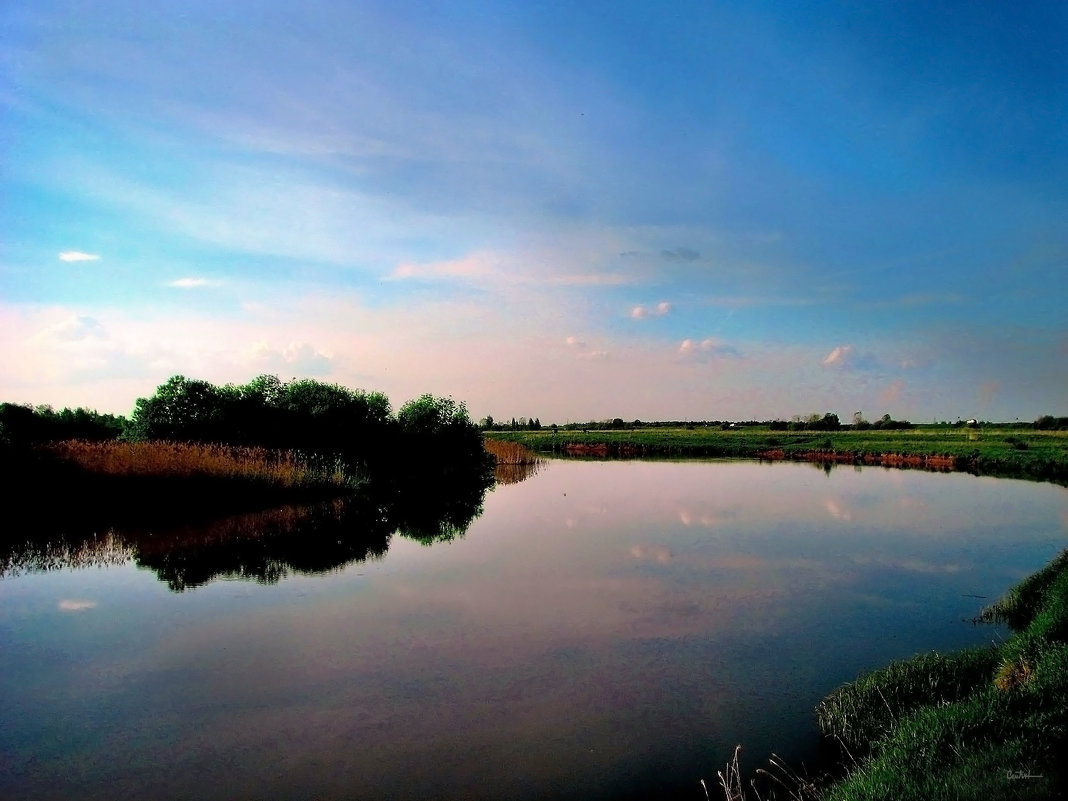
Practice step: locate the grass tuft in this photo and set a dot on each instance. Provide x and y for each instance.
(1013, 673)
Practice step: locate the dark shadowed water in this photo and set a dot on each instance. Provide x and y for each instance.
(601, 631)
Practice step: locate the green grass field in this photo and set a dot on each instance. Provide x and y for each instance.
(1005, 451)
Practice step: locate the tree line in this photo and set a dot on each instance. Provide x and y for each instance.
(303, 415)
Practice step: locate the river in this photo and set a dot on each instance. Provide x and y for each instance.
(602, 630)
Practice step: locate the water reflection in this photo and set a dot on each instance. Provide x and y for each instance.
(264, 546)
(514, 473)
(20, 553)
(604, 631)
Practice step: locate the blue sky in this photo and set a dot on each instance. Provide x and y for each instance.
(565, 210)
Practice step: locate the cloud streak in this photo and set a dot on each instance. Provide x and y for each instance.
(78, 255)
(706, 349)
(193, 283)
(846, 357)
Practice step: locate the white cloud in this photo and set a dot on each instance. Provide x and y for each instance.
(706, 348)
(301, 358)
(846, 357)
(581, 345)
(838, 357)
(659, 310)
(192, 283)
(78, 255)
(74, 329)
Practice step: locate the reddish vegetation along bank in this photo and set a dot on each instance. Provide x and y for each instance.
(929, 462)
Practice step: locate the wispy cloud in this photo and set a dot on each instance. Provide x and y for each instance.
(838, 357)
(582, 349)
(707, 348)
(652, 553)
(659, 310)
(73, 605)
(75, 329)
(301, 358)
(193, 283)
(891, 393)
(847, 357)
(78, 255)
(591, 280)
(475, 265)
(680, 254)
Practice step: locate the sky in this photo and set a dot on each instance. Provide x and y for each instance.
(570, 211)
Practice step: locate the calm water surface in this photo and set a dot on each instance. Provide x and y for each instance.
(603, 630)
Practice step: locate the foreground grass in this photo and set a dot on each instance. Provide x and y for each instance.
(994, 451)
(987, 723)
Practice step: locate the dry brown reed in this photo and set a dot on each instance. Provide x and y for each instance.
(510, 453)
(283, 469)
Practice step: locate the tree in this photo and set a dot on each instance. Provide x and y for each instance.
(182, 409)
(441, 426)
(829, 422)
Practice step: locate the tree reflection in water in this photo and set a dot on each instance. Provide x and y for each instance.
(263, 546)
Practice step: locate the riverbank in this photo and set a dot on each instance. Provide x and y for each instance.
(83, 485)
(1000, 451)
(987, 723)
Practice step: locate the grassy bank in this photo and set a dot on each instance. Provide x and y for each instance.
(988, 723)
(993, 451)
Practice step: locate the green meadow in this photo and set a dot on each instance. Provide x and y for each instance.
(1008, 450)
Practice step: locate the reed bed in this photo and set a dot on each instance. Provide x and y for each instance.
(175, 460)
(510, 453)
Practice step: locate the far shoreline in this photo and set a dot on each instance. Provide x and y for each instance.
(1000, 452)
